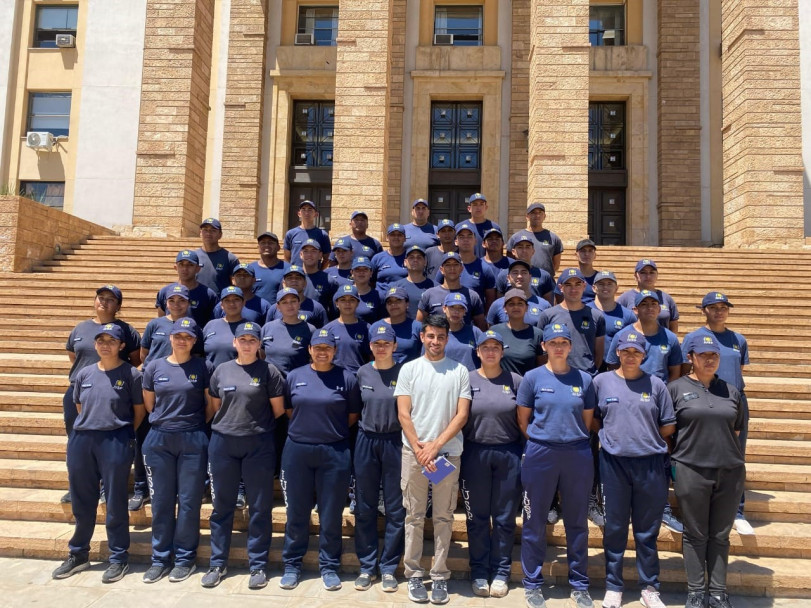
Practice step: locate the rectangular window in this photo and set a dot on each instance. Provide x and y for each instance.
(606, 136)
(53, 20)
(321, 22)
(49, 112)
(47, 193)
(607, 25)
(314, 128)
(458, 25)
(456, 135)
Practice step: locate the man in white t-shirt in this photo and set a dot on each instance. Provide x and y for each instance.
(433, 402)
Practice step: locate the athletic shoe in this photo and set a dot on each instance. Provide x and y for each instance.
(499, 588)
(352, 506)
(115, 572)
(137, 501)
(417, 591)
(389, 584)
(381, 504)
(155, 573)
(743, 527)
(289, 580)
(181, 573)
(596, 514)
(650, 598)
(258, 580)
(480, 587)
(364, 581)
(71, 566)
(553, 516)
(581, 598)
(102, 497)
(720, 600)
(331, 580)
(534, 598)
(213, 577)
(241, 500)
(439, 591)
(670, 522)
(695, 599)
(65, 498)
(612, 599)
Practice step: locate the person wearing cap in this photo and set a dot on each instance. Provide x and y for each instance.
(433, 299)
(255, 308)
(218, 335)
(309, 310)
(307, 229)
(268, 269)
(586, 252)
(406, 329)
(522, 341)
(110, 405)
(476, 275)
(541, 282)
(433, 401)
(175, 452)
(616, 315)
(361, 243)
(547, 245)
(378, 455)
(493, 243)
(477, 208)
(586, 324)
(389, 265)
(646, 274)
(490, 474)
(446, 233)
(351, 334)
(82, 351)
(555, 410)
(708, 469)
(247, 396)
(734, 356)
(420, 231)
(319, 285)
(202, 298)
(216, 262)
(635, 417)
(371, 307)
(416, 283)
(462, 336)
(324, 402)
(518, 277)
(341, 272)
(285, 340)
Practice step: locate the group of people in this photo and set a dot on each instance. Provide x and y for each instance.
(403, 379)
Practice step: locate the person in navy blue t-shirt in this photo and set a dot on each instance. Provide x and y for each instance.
(518, 277)
(646, 273)
(522, 341)
(462, 336)
(202, 298)
(310, 254)
(307, 229)
(433, 299)
(341, 273)
(324, 402)
(351, 334)
(416, 283)
(268, 269)
(389, 265)
(286, 340)
(476, 275)
(254, 308)
(361, 244)
(616, 315)
(420, 231)
(407, 330)
(493, 243)
(477, 208)
(540, 282)
(218, 335)
(313, 312)
(547, 245)
(216, 262)
(371, 307)
(446, 233)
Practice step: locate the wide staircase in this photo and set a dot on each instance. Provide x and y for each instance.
(771, 309)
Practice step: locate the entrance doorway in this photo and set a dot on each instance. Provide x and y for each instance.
(608, 175)
(310, 173)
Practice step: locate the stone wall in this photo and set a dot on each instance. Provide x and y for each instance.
(396, 106)
(31, 232)
(519, 118)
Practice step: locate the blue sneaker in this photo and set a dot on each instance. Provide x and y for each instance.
(670, 522)
(331, 580)
(289, 580)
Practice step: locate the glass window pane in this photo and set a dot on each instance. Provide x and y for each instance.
(463, 22)
(57, 18)
(47, 193)
(321, 21)
(607, 25)
(49, 112)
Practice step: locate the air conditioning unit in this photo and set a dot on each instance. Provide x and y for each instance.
(443, 39)
(305, 39)
(65, 41)
(39, 140)
(609, 37)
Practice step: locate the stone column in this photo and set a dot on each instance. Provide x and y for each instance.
(679, 129)
(171, 153)
(242, 133)
(558, 114)
(396, 103)
(362, 78)
(762, 131)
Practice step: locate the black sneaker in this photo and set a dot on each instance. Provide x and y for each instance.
(596, 514)
(137, 501)
(695, 599)
(417, 591)
(364, 581)
(213, 577)
(71, 566)
(439, 592)
(155, 573)
(65, 498)
(719, 600)
(115, 572)
(258, 580)
(181, 573)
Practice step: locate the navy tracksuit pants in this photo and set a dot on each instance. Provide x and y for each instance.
(634, 489)
(140, 485)
(105, 456)
(378, 459)
(544, 471)
(175, 465)
(251, 458)
(490, 480)
(322, 469)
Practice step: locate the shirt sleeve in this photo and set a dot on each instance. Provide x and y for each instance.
(599, 319)
(423, 305)
(744, 350)
(476, 306)
(666, 413)
(590, 394)
(148, 379)
(558, 246)
(288, 241)
(214, 385)
(276, 384)
(353, 393)
(525, 397)
(675, 356)
(741, 417)
(674, 310)
(146, 342)
(137, 387)
(132, 340)
(69, 344)
(488, 278)
(610, 353)
(464, 385)
(403, 382)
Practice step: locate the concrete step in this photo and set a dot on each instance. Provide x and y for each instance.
(782, 477)
(775, 451)
(20, 363)
(775, 428)
(795, 409)
(24, 401)
(49, 383)
(33, 447)
(31, 423)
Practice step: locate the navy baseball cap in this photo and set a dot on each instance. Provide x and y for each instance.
(515, 293)
(188, 255)
(398, 293)
(295, 269)
(357, 213)
(456, 299)
(211, 221)
(113, 290)
(245, 267)
(451, 255)
(346, 289)
(381, 331)
(323, 336)
(307, 202)
(715, 297)
(556, 330)
(604, 274)
(644, 295)
(585, 243)
(178, 290)
(633, 339)
(270, 235)
(490, 335)
(287, 291)
(361, 262)
(702, 343)
(249, 328)
(535, 206)
(231, 291)
(465, 226)
(570, 273)
(477, 196)
(112, 330)
(645, 262)
(415, 248)
(523, 238)
(446, 223)
(420, 201)
(342, 243)
(311, 243)
(515, 263)
(184, 325)
(493, 231)
(395, 227)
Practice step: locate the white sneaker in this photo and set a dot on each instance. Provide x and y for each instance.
(650, 598)
(612, 599)
(499, 588)
(743, 527)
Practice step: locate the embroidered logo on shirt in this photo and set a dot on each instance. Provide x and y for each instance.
(254, 382)
(474, 389)
(584, 324)
(506, 389)
(219, 266)
(302, 318)
(194, 303)
(119, 385)
(577, 391)
(618, 323)
(535, 281)
(192, 378)
(664, 348)
(644, 397)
